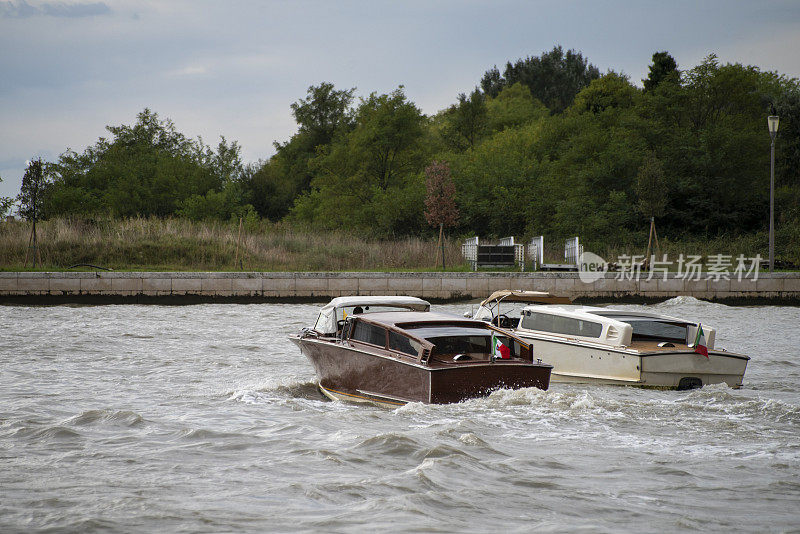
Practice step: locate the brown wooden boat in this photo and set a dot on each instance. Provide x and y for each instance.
(410, 354)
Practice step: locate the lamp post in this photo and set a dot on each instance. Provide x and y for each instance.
(772, 124)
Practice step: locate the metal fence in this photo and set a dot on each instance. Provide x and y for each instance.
(573, 251)
(536, 252)
(507, 252)
(519, 250)
(470, 251)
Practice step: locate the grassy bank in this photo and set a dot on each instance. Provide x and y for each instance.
(181, 245)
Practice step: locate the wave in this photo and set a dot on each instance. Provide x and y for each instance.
(681, 300)
(70, 428)
(390, 444)
(206, 434)
(107, 417)
(49, 433)
(721, 399)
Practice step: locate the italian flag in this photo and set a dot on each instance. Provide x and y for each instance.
(700, 341)
(499, 349)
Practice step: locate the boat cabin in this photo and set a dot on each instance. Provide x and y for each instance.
(332, 316)
(432, 338)
(640, 330)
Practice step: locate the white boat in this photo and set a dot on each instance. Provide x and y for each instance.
(608, 346)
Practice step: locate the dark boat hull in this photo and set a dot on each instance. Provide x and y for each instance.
(346, 372)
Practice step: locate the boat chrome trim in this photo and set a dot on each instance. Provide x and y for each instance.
(366, 397)
(334, 342)
(550, 338)
(598, 377)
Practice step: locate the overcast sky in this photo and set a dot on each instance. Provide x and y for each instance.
(68, 69)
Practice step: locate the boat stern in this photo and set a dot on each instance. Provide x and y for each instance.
(477, 380)
(688, 370)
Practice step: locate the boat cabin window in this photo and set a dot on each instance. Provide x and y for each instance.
(369, 333)
(653, 328)
(401, 343)
(545, 322)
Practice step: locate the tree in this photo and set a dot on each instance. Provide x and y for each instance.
(30, 199)
(148, 168)
(273, 186)
(513, 107)
(554, 77)
(387, 131)
(5, 204)
(492, 83)
(663, 68)
(715, 147)
(612, 90)
(468, 120)
(324, 111)
(368, 177)
(651, 187)
(30, 196)
(440, 204)
(788, 145)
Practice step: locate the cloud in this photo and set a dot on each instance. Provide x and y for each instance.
(192, 70)
(22, 9)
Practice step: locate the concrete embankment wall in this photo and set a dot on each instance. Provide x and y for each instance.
(258, 286)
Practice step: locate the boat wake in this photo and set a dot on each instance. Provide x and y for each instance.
(279, 391)
(575, 404)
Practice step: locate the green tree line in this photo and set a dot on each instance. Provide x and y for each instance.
(549, 146)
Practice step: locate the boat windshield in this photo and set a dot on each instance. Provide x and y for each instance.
(506, 315)
(345, 312)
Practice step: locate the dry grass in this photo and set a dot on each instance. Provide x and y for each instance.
(182, 245)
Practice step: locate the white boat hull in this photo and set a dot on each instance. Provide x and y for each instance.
(579, 362)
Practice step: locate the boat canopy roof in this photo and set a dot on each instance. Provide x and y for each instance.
(326, 322)
(518, 295)
(491, 306)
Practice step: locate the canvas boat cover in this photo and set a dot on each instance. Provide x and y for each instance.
(326, 322)
(516, 295)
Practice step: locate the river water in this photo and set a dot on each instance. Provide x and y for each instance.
(206, 419)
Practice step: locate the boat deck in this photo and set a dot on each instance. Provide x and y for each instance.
(652, 346)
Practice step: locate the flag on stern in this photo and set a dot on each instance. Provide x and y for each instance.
(699, 344)
(499, 349)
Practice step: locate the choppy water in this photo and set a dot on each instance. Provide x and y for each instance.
(205, 418)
